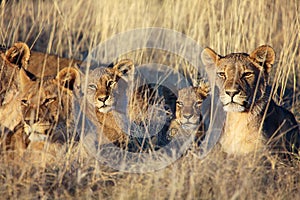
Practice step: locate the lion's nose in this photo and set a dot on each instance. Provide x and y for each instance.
(232, 93)
(188, 116)
(103, 99)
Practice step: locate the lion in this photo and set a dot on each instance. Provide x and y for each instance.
(46, 109)
(122, 110)
(254, 121)
(188, 115)
(101, 95)
(101, 98)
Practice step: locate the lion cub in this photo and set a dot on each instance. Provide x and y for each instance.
(254, 121)
(127, 111)
(188, 114)
(108, 95)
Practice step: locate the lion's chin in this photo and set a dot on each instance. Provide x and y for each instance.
(105, 109)
(190, 126)
(234, 107)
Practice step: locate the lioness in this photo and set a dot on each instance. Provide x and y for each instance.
(46, 108)
(254, 121)
(188, 115)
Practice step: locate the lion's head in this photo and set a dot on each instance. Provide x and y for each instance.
(47, 104)
(241, 78)
(188, 114)
(188, 104)
(103, 80)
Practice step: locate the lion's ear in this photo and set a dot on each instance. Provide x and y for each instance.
(209, 57)
(124, 69)
(18, 54)
(124, 66)
(264, 56)
(69, 78)
(201, 88)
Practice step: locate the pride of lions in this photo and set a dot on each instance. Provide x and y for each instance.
(37, 109)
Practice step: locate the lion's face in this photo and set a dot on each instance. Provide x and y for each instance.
(188, 114)
(46, 104)
(188, 106)
(102, 82)
(39, 109)
(100, 89)
(240, 81)
(241, 78)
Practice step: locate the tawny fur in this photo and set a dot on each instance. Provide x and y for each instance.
(42, 64)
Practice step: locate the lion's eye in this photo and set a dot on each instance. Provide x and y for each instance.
(92, 86)
(221, 75)
(198, 103)
(110, 83)
(24, 102)
(247, 74)
(49, 100)
(179, 103)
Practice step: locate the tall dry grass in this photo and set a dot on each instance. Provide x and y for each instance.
(73, 28)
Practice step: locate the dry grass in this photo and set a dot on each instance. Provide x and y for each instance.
(73, 28)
